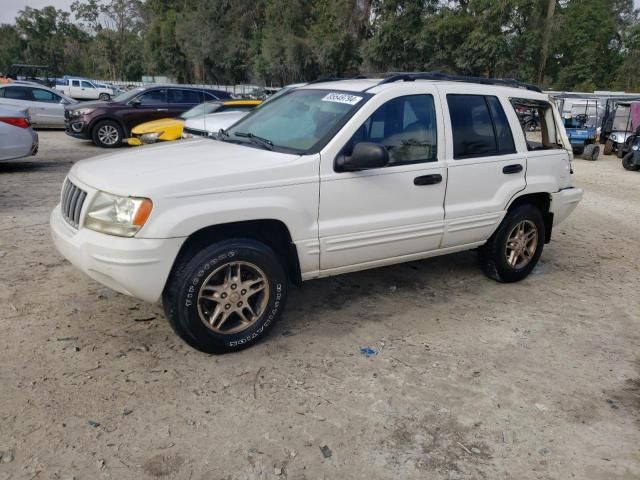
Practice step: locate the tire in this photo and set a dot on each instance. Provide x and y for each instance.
(608, 147)
(105, 97)
(620, 151)
(211, 272)
(107, 134)
(627, 163)
(494, 258)
(591, 152)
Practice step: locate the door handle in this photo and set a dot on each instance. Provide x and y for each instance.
(516, 168)
(428, 179)
(162, 109)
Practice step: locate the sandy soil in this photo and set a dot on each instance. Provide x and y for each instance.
(473, 379)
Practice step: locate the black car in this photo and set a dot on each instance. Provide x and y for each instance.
(108, 123)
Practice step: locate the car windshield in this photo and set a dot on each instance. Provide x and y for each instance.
(622, 119)
(298, 121)
(201, 110)
(126, 96)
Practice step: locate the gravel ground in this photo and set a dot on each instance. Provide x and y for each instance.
(472, 379)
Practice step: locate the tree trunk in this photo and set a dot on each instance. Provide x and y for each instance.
(546, 40)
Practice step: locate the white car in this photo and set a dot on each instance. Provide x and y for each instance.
(332, 177)
(45, 105)
(17, 138)
(82, 89)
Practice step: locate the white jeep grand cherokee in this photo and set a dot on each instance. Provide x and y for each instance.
(332, 177)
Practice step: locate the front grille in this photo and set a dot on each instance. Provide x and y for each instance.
(193, 131)
(71, 203)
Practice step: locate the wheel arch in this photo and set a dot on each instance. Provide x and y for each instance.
(271, 232)
(542, 201)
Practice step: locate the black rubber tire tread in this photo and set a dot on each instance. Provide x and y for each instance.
(608, 147)
(181, 308)
(94, 134)
(627, 165)
(492, 256)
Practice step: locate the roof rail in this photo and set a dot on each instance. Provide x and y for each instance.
(335, 79)
(412, 76)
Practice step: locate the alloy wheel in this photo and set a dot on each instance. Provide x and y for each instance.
(522, 243)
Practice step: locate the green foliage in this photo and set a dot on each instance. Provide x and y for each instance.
(565, 44)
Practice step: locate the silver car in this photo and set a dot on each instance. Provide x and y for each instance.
(17, 138)
(45, 105)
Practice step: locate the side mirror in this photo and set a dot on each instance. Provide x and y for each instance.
(365, 155)
(135, 103)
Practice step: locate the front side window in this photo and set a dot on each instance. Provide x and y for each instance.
(41, 95)
(153, 97)
(405, 126)
(300, 122)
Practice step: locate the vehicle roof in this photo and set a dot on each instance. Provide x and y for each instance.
(374, 86)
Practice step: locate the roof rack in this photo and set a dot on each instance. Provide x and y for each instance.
(412, 76)
(335, 79)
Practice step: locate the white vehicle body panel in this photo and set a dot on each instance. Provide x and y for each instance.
(16, 142)
(338, 221)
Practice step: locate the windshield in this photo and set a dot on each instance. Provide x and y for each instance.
(201, 110)
(126, 96)
(298, 121)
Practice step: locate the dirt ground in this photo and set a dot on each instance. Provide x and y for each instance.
(472, 379)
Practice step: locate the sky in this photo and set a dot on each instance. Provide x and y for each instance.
(9, 8)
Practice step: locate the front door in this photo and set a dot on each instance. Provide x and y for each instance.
(389, 214)
(485, 168)
(148, 106)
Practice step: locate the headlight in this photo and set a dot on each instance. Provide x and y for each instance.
(635, 147)
(114, 215)
(150, 137)
(83, 111)
(613, 137)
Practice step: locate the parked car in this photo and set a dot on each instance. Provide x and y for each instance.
(84, 90)
(108, 123)
(17, 138)
(171, 128)
(45, 105)
(329, 178)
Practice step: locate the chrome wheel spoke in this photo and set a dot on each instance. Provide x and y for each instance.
(521, 244)
(217, 314)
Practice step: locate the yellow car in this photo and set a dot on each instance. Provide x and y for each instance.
(167, 129)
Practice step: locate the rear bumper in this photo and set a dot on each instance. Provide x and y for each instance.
(564, 202)
(138, 267)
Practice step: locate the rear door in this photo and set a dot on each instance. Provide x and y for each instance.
(484, 168)
(182, 99)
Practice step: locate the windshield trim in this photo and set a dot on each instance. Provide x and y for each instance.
(323, 141)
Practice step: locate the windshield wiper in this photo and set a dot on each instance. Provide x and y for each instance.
(263, 142)
(220, 135)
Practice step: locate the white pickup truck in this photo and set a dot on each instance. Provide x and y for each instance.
(332, 177)
(81, 89)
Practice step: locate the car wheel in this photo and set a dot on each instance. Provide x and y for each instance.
(514, 249)
(591, 152)
(627, 163)
(619, 150)
(227, 296)
(608, 147)
(107, 134)
(105, 97)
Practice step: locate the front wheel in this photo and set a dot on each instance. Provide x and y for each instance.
(105, 97)
(227, 296)
(591, 152)
(608, 147)
(107, 134)
(515, 248)
(627, 163)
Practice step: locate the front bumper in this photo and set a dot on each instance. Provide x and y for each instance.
(76, 127)
(138, 267)
(564, 202)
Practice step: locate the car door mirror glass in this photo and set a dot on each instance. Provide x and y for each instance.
(365, 155)
(136, 102)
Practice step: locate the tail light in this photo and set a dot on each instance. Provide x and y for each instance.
(19, 122)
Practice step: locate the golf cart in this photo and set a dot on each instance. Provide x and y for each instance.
(617, 124)
(631, 156)
(582, 117)
(32, 73)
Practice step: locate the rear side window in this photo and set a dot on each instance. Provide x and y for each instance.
(41, 95)
(185, 96)
(18, 93)
(75, 83)
(480, 127)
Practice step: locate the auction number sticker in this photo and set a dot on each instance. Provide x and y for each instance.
(342, 98)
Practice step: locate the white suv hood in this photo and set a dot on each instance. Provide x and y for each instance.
(182, 168)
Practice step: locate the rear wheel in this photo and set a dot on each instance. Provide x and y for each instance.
(107, 134)
(105, 97)
(514, 249)
(226, 297)
(608, 147)
(627, 163)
